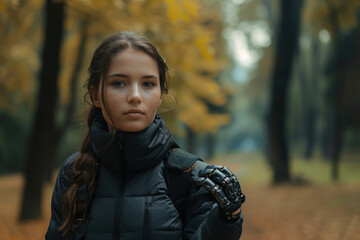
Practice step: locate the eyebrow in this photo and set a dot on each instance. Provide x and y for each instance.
(126, 76)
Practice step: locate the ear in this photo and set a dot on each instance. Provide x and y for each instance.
(95, 96)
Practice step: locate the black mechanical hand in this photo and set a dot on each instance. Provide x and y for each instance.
(224, 187)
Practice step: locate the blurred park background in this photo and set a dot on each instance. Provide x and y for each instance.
(270, 88)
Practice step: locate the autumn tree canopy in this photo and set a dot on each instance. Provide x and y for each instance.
(188, 34)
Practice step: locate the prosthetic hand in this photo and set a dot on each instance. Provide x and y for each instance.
(225, 188)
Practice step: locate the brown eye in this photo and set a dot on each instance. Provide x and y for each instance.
(148, 84)
(117, 83)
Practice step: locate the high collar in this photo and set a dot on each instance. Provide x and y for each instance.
(131, 151)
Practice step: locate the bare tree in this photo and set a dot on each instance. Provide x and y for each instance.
(42, 132)
(287, 44)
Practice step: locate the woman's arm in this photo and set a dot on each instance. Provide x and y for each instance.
(61, 186)
(208, 225)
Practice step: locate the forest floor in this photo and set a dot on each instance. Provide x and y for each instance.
(307, 211)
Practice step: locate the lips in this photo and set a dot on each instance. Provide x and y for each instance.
(134, 111)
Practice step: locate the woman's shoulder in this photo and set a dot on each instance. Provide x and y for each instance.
(181, 161)
(70, 159)
(63, 178)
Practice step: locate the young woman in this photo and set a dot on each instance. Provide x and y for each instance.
(131, 180)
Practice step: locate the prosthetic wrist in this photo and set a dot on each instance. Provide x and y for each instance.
(224, 187)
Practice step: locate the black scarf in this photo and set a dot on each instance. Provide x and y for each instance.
(131, 151)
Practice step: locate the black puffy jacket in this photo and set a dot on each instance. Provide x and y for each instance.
(131, 198)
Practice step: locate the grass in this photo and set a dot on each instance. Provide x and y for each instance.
(252, 168)
(319, 172)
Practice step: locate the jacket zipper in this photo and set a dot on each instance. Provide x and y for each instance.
(147, 220)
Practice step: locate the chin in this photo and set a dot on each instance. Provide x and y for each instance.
(133, 127)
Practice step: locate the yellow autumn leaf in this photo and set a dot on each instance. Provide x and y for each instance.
(202, 43)
(190, 7)
(2, 7)
(175, 11)
(135, 8)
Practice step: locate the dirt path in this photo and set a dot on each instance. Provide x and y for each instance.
(271, 213)
(327, 212)
(311, 212)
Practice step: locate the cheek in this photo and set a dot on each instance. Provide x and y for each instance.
(114, 97)
(156, 100)
(152, 97)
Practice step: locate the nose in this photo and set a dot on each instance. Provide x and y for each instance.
(134, 96)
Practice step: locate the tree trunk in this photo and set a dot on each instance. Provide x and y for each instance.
(52, 149)
(327, 135)
(190, 140)
(336, 141)
(306, 95)
(287, 43)
(310, 120)
(210, 145)
(312, 107)
(309, 89)
(69, 110)
(44, 121)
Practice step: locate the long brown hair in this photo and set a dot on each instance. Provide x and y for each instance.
(84, 169)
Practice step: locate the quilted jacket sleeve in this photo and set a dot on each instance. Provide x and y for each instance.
(202, 220)
(61, 186)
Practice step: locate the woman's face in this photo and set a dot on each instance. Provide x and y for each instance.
(132, 91)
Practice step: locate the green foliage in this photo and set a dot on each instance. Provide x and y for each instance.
(319, 13)
(252, 168)
(13, 137)
(20, 41)
(71, 142)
